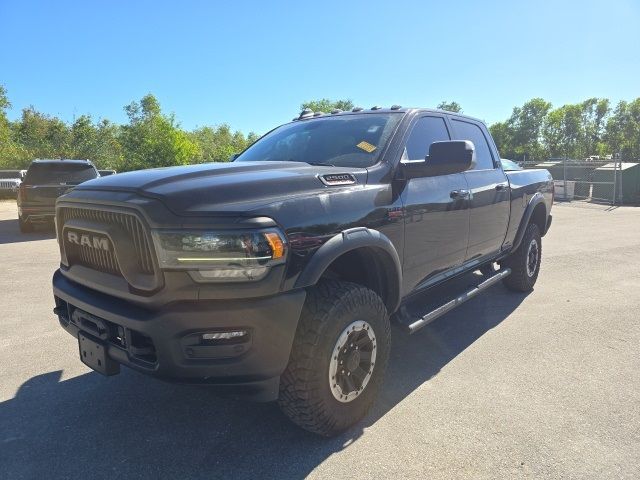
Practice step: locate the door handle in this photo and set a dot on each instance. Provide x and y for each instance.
(502, 186)
(459, 194)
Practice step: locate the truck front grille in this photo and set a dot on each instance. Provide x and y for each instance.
(101, 259)
(96, 259)
(6, 185)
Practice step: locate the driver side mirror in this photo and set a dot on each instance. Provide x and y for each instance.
(445, 158)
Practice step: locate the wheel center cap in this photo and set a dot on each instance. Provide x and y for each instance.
(353, 361)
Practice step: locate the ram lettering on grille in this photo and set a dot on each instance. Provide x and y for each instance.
(96, 251)
(91, 241)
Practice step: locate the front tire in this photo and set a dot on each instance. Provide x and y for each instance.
(338, 358)
(525, 261)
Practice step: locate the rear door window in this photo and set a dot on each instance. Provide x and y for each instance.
(472, 132)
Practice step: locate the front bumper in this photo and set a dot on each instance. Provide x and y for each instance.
(166, 342)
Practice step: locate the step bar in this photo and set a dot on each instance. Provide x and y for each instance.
(416, 325)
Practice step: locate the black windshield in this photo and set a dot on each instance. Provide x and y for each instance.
(55, 173)
(342, 140)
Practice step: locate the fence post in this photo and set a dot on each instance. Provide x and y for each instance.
(564, 178)
(620, 196)
(615, 179)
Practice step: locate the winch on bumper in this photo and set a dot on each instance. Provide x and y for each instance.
(181, 341)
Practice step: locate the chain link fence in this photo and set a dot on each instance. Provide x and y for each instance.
(612, 181)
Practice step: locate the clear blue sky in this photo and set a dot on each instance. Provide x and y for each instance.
(251, 64)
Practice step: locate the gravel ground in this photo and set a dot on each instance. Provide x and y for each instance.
(545, 385)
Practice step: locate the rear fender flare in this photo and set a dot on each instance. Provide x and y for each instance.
(536, 199)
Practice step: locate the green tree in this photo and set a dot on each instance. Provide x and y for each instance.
(524, 128)
(564, 132)
(83, 138)
(325, 105)
(622, 132)
(534, 131)
(10, 152)
(501, 134)
(4, 101)
(152, 139)
(554, 133)
(108, 152)
(217, 144)
(42, 136)
(450, 106)
(577, 130)
(594, 114)
(96, 142)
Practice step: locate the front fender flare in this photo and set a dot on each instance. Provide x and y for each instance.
(352, 239)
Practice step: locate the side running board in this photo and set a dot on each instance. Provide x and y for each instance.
(459, 300)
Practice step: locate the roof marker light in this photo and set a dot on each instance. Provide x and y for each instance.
(306, 113)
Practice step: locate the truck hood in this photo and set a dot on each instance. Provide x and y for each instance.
(223, 187)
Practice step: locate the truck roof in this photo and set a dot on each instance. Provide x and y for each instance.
(309, 115)
(60, 160)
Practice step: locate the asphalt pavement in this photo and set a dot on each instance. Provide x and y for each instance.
(545, 385)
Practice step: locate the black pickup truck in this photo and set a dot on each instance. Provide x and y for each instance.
(43, 183)
(276, 276)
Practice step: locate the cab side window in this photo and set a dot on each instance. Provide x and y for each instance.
(470, 131)
(425, 131)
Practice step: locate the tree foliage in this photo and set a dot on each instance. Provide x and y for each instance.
(622, 131)
(151, 138)
(10, 151)
(536, 131)
(219, 143)
(325, 105)
(450, 106)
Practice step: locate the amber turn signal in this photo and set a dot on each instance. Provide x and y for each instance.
(276, 244)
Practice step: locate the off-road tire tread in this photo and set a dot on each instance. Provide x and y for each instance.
(519, 281)
(299, 384)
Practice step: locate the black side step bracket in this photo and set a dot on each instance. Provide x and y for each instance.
(413, 325)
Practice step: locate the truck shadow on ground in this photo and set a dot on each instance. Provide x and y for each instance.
(10, 232)
(132, 426)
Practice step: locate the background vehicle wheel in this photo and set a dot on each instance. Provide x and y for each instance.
(338, 358)
(488, 269)
(525, 261)
(25, 226)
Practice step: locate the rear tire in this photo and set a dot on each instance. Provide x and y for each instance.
(344, 330)
(525, 261)
(25, 225)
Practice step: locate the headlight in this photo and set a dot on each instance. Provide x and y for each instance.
(224, 256)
